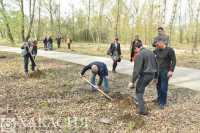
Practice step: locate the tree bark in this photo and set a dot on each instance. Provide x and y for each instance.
(31, 21)
(22, 19)
(6, 22)
(39, 20)
(117, 20)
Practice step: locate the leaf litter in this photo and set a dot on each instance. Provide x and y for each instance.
(58, 92)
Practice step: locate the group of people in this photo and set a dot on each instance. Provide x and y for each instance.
(29, 50)
(149, 66)
(48, 42)
(157, 65)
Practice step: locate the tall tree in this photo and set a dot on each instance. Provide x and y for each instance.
(6, 21)
(21, 3)
(173, 17)
(194, 48)
(39, 20)
(31, 20)
(117, 19)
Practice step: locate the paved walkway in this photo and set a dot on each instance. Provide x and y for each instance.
(183, 77)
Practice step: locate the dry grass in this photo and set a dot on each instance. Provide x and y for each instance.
(60, 94)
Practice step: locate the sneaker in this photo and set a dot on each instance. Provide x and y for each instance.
(26, 74)
(142, 113)
(161, 106)
(135, 101)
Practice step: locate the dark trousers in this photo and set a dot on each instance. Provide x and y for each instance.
(45, 45)
(26, 62)
(143, 81)
(114, 65)
(162, 87)
(58, 43)
(69, 46)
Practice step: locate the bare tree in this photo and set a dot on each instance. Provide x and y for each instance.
(194, 48)
(39, 20)
(5, 20)
(180, 24)
(21, 4)
(173, 17)
(31, 20)
(118, 18)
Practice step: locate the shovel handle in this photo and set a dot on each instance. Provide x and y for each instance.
(107, 96)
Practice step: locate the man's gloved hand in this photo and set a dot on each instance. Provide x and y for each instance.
(131, 85)
(82, 76)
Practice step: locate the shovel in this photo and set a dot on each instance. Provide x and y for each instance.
(107, 96)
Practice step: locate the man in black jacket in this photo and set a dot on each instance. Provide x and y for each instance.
(27, 54)
(145, 70)
(167, 61)
(115, 52)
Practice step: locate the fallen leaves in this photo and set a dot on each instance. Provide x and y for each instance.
(59, 92)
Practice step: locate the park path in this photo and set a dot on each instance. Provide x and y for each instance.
(183, 77)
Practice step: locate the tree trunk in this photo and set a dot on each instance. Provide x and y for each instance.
(39, 20)
(22, 19)
(194, 48)
(88, 23)
(118, 17)
(173, 18)
(31, 21)
(5, 20)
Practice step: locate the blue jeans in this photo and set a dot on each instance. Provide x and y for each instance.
(162, 87)
(105, 83)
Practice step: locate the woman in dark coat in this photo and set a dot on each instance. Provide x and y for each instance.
(115, 53)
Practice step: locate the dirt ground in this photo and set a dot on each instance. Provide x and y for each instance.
(55, 99)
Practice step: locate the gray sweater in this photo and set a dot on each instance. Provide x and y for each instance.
(145, 63)
(163, 38)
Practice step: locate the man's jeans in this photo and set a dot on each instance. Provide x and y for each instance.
(105, 83)
(162, 87)
(50, 46)
(26, 62)
(142, 83)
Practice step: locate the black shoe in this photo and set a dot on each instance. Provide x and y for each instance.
(142, 113)
(114, 71)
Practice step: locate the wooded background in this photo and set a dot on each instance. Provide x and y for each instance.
(100, 21)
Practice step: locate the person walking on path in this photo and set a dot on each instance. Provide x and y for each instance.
(69, 42)
(145, 70)
(167, 61)
(50, 43)
(115, 52)
(45, 41)
(100, 69)
(58, 39)
(162, 37)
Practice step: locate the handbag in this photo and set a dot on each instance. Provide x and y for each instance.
(24, 52)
